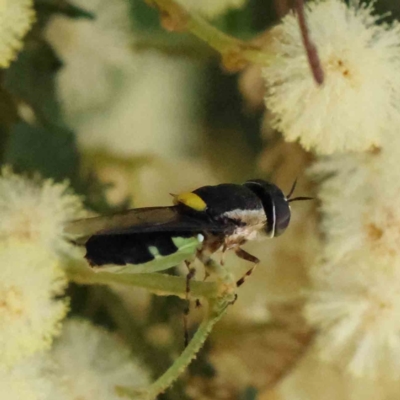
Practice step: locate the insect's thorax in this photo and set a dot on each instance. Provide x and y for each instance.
(250, 226)
(238, 208)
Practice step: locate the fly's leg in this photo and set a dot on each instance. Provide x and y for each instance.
(206, 275)
(225, 278)
(190, 275)
(244, 255)
(224, 248)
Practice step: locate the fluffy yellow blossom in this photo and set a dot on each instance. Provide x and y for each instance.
(355, 296)
(96, 55)
(111, 94)
(211, 8)
(361, 91)
(32, 379)
(144, 119)
(91, 363)
(358, 316)
(36, 210)
(30, 315)
(16, 18)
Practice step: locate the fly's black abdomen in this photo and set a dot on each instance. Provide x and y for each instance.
(130, 248)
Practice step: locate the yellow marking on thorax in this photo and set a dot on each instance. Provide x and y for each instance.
(190, 200)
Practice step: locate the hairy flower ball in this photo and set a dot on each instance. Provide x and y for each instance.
(32, 379)
(211, 8)
(30, 313)
(96, 54)
(16, 18)
(92, 363)
(358, 315)
(354, 301)
(36, 210)
(360, 95)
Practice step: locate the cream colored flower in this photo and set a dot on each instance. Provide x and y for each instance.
(355, 297)
(313, 379)
(358, 315)
(96, 55)
(211, 8)
(125, 102)
(360, 96)
(152, 114)
(30, 279)
(32, 379)
(36, 210)
(16, 18)
(92, 363)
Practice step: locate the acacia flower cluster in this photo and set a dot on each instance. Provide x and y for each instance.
(92, 363)
(36, 210)
(95, 53)
(33, 379)
(16, 18)
(360, 56)
(30, 316)
(354, 299)
(32, 244)
(86, 362)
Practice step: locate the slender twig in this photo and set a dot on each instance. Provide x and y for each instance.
(223, 43)
(216, 310)
(217, 294)
(311, 50)
(134, 333)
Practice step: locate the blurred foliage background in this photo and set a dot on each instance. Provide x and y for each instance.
(103, 96)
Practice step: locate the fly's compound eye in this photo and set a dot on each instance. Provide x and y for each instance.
(275, 204)
(282, 215)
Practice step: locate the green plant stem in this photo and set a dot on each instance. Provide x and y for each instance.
(133, 331)
(216, 309)
(218, 295)
(159, 284)
(216, 39)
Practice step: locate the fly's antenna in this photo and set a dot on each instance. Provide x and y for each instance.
(300, 199)
(292, 189)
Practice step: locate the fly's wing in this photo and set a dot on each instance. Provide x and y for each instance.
(136, 220)
(142, 220)
(142, 237)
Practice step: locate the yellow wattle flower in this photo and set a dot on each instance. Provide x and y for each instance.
(31, 279)
(36, 210)
(91, 362)
(16, 18)
(359, 98)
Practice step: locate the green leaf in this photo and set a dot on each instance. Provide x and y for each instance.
(144, 16)
(32, 78)
(250, 393)
(62, 7)
(49, 150)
